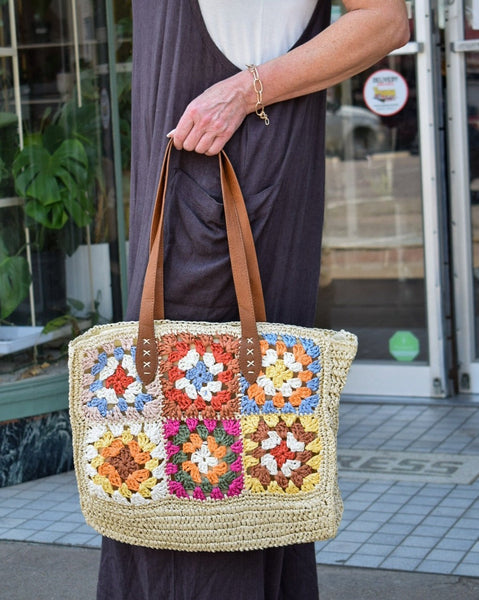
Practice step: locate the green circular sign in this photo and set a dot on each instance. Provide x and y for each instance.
(404, 346)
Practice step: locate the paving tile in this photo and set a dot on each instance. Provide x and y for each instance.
(54, 516)
(448, 543)
(352, 536)
(462, 534)
(394, 445)
(348, 485)
(67, 526)
(406, 518)
(436, 491)
(415, 509)
(26, 513)
(386, 538)
(400, 528)
(350, 514)
(359, 560)
(436, 566)
(387, 507)
(12, 502)
(48, 486)
(452, 501)
(360, 497)
(10, 522)
(44, 504)
(391, 497)
(405, 551)
(428, 501)
(468, 523)
(38, 524)
(8, 492)
(448, 511)
(364, 526)
(332, 558)
(467, 570)
(472, 557)
(357, 505)
(74, 517)
(95, 541)
(421, 541)
(47, 537)
(446, 555)
(382, 550)
(467, 492)
(407, 487)
(18, 534)
(403, 564)
(430, 530)
(377, 487)
(5, 511)
(31, 494)
(85, 529)
(435, 521)
(75, 539)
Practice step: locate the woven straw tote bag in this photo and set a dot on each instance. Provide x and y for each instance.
(206, 436)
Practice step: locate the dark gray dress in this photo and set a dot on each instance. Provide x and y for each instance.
(281, 172)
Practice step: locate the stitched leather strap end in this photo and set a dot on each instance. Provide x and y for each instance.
(250, 358)
(146, 355)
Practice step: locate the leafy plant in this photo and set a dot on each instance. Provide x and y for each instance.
(54, 184)
(14, 281)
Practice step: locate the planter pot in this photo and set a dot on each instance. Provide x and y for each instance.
(49, 289)
(15, 338)
(79, 280)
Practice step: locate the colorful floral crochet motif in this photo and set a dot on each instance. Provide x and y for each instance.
(126, 463)
(289, 379)
(204, 458)
(282, 453)
(112, 382)
(199, 376)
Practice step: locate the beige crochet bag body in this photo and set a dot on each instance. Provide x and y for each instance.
(208, 436)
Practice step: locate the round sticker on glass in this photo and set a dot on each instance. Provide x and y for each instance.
(385, 92)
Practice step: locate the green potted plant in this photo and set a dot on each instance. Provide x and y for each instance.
(51, 174)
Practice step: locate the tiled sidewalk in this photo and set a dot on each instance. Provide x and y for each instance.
(396, 522)
(392, 520)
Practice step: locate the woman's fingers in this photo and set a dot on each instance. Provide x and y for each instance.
(211, 119)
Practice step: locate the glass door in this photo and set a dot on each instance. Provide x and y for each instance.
(462, 61)
(381, 265)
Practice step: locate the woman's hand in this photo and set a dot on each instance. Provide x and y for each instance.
(211, 118)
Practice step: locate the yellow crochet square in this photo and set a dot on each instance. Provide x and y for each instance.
(282, 453)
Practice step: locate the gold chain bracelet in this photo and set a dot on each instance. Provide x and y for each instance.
(258, 88)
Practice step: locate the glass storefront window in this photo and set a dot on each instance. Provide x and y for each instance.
(60, 186)
(372, 280)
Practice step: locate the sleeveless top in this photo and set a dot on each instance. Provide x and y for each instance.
(280, 169)
(255, 31)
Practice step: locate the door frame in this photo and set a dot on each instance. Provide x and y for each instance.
(459, 191)
(420, 380)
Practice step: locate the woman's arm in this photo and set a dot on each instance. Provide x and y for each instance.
(369, 30)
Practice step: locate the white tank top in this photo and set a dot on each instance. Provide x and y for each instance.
(254, 31)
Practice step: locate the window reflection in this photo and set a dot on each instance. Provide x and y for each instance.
(62, 185)
(372, 278)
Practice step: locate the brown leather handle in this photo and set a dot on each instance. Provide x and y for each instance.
(244, 265)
